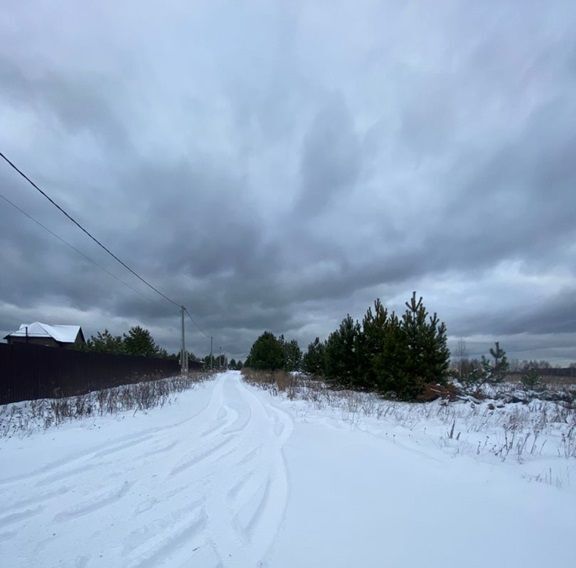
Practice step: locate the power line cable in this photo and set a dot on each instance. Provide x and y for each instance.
(196, 324)
(78, 251)
(93, 238)
(225, 348)
(64, 212)
(91, 260)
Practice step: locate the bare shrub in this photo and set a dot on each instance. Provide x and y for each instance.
(273, 381)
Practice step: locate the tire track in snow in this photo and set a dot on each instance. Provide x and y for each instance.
(110, 446)
(245, 513)
(93, 502)
(92, 497)
(160, 543)
(157, 450)
(208, 491)
(21, 515)
(202, 455)
(265, 522)
(38, 499)
(221, 423)
(65, 463)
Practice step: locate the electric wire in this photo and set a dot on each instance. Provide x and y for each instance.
(224, 348)
(64, 212)
(91, 260)
(196, 324)
(71, 246)
(93, 238)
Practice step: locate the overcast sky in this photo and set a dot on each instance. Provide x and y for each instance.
(276, 165)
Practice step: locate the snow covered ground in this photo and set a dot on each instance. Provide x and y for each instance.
(231, 476)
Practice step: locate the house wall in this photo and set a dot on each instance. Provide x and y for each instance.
(44, 341)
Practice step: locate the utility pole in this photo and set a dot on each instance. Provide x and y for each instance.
(211, 357)
(183, 354)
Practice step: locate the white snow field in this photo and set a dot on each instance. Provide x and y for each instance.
(230, 476)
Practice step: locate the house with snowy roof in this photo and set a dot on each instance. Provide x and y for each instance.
(37, 333)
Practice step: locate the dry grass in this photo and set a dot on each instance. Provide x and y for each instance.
(273, 381)
(480, 426)
(29, 416)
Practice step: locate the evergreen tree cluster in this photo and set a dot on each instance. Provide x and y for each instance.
(138, 341)
(235, 365)
(271, 353)
(216, 362)
(385, 352)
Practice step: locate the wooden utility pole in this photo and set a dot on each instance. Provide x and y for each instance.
(211, 356)
(183, 354)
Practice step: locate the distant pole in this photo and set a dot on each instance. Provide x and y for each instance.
(183, 355)
(211, 357)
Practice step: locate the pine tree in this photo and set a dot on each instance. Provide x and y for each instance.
(267, 353)
(495, 371)
(292, 355)
(139, 341)
(389, 362)
(402, 355)
(105, 342)
(313, 361)
(427, 354)
(531, 379)
(343, 353)
(371, 344)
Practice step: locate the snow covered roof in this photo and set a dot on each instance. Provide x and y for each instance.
(60, 333)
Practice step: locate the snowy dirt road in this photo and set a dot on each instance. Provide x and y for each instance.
(229, 476)
(209, 489)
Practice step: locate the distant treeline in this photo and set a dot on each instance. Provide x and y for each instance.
(139, 342)
(464, 367)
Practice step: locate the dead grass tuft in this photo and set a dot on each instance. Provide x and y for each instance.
(274, 381)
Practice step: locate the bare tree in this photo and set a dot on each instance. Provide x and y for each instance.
(461, 352)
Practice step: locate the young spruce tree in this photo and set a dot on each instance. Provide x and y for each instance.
(342, 353)
(427, 354)
(372, 342)
(494, 371)
(139, 341)
(292, 354)
(267, 353)
(313, 361)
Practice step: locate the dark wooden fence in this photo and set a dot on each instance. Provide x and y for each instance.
(29, 372)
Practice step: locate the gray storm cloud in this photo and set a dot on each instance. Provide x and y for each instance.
(275, 168)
